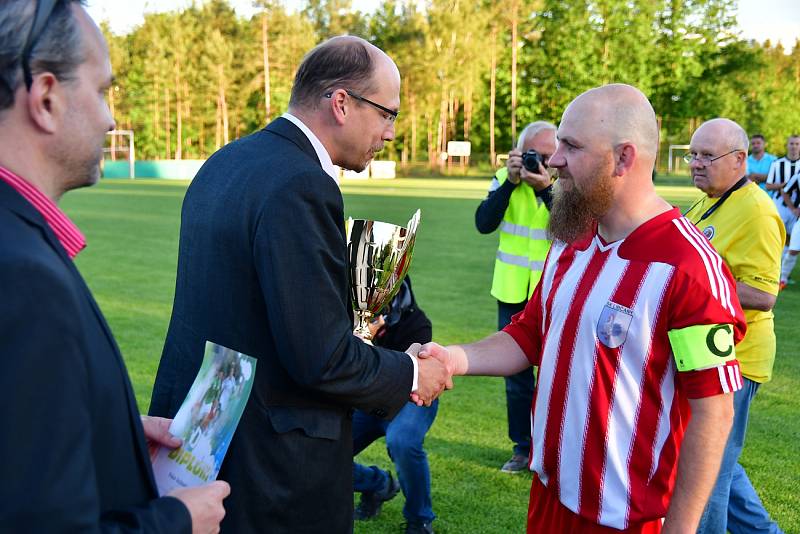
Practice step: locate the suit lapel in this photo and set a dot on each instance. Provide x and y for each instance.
(284, 128)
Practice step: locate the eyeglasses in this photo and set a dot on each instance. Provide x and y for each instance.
(44, 8)
(705, 161)
(392, 113)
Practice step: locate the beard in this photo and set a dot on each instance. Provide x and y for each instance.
(574, 212)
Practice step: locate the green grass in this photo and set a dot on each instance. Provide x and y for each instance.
(132, 230)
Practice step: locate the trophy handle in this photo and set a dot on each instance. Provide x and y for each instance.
(413, 223)
(411, 231)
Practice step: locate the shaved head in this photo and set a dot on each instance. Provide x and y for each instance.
(724, 142)
(730, 135)
(620, 113)
(608, 141)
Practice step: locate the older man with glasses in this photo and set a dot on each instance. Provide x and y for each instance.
(745, 228)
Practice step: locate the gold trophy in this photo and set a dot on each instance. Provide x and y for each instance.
(378, 256)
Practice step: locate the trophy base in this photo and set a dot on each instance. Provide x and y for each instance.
(362, 330)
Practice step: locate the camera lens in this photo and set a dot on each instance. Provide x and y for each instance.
(531, 160)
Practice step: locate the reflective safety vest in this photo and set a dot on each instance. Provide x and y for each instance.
(523, 245)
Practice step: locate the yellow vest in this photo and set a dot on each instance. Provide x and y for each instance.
(523, 245)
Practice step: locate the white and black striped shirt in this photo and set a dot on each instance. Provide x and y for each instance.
(792, 188)
(780, 172)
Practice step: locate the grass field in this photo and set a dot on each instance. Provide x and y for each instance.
(132, 231)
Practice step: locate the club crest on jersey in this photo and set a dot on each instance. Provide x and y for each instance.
(709, 232)
(612, 327)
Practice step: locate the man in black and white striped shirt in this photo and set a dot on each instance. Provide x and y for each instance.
(791, 198)
(780, 174)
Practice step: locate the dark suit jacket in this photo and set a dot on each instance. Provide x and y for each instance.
(72, 453)
(262, 270)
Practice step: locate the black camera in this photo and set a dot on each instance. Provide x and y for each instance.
(531, 160)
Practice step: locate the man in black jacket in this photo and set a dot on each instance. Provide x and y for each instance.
(73, 454)
(262, 269)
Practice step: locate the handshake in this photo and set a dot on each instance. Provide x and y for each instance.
(436, 367)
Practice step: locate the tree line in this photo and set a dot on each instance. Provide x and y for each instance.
(190, 81)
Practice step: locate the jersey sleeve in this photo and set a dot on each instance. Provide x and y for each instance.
(773, 169)
(705, 321)
(526, 327)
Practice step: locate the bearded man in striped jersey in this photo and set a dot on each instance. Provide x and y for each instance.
(632, 326)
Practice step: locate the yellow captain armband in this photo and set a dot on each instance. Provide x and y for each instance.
(702, 346)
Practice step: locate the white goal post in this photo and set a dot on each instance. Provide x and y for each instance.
(130, 149)
(673, 163)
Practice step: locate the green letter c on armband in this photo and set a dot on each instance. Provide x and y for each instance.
(711, 341)
(702, 346)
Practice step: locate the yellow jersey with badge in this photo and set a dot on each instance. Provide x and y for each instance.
(748, 233)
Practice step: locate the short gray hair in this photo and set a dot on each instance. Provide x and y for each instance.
(58, 48)
(532, 129)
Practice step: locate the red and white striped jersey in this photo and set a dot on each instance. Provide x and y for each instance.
(610, 407)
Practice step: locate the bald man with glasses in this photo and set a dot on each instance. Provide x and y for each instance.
(743, 225)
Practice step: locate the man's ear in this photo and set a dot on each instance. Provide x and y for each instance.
(624, 157)
(339, 106)
(46, 102)
(741, 160)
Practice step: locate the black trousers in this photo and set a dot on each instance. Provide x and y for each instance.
(519, 390)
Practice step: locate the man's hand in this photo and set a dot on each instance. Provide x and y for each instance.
(698, 465)
(514, 165)
(434, 350)
(445, 357)
(375, 325)
(537, 181)
(205, 505)
(156, 432)
(433, 378)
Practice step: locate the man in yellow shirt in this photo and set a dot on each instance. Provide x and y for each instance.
(743, 225)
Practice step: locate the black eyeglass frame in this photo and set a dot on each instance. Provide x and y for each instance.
(689, 157)
(391, 112)
(44, 8)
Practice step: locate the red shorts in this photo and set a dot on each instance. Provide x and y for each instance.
(546, 515)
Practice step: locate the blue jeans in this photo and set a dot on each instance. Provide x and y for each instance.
(519, 390)
(734, 504)
(404, 438)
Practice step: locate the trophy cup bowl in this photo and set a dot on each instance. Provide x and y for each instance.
(378, 256)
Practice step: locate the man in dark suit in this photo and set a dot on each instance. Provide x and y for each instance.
(262, 269)
(73, 449)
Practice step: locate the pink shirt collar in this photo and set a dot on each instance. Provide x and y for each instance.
(67, 233)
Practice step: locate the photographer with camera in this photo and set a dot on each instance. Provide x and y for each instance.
(519, 204)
